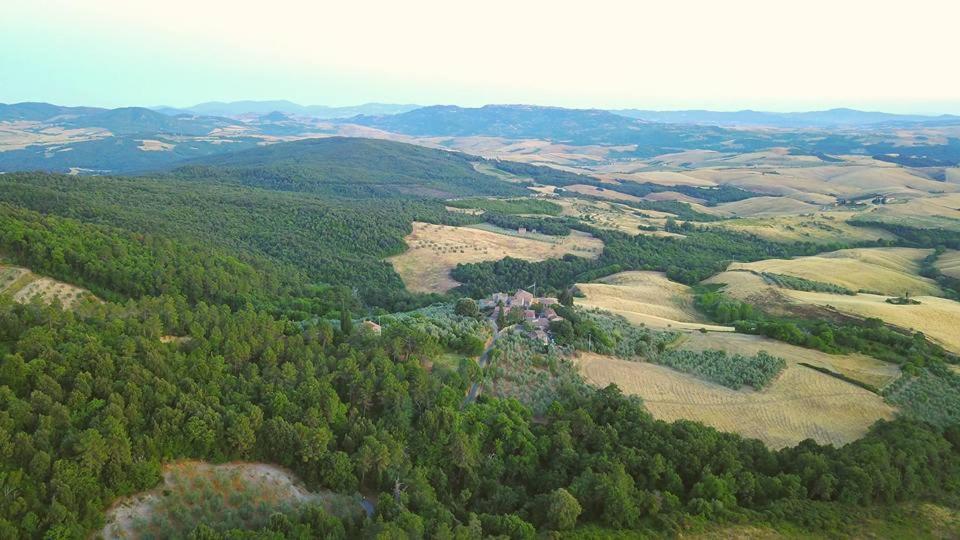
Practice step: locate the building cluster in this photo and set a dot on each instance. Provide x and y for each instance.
(534, 310)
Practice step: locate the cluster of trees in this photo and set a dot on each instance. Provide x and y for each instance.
(803, 284)
(928, 269)
(451, 327)
(869, 336)
(700, 254)
(611, 334)
(733, 371)
(524, 205)
(548, 226)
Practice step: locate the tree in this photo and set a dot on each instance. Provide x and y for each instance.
(566, 297)
(346, 322)
(560, 510)
(467, 307)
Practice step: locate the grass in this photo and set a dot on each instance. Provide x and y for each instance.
(436, 249)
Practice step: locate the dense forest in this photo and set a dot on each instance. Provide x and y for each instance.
(93, 402)
(298, 238)
(349, 167)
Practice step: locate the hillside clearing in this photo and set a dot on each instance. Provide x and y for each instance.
(23, 285)
(195, 492)
(647, 298)
(801, 403)
(437, 249)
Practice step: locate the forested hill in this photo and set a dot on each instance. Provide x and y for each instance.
(349, 167)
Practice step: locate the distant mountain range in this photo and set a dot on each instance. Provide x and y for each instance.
(131, 139)
(829, 118)
(241, 108)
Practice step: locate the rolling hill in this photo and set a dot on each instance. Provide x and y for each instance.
(350, 167)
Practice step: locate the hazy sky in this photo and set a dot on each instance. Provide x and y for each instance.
(718, 54)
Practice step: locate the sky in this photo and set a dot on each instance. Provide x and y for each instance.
(678, 54)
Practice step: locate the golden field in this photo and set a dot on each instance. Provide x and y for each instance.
(938, 318)
(801, 403)
(890, 271)
(434, 250)
(647, 298)
(818, 227)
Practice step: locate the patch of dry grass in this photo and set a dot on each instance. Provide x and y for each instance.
(437, 249)
(647, 298)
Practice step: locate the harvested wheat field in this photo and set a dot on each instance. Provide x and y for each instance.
(801, 403)
(766, 207)
(890, 271)
(437, 249)
(938, 318)
(647, 298)
(23, 285)
(195, 492)
(949, 264)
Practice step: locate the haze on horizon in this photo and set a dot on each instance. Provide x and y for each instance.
(688, 54)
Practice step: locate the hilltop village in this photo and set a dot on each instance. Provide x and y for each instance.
(523, 307)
